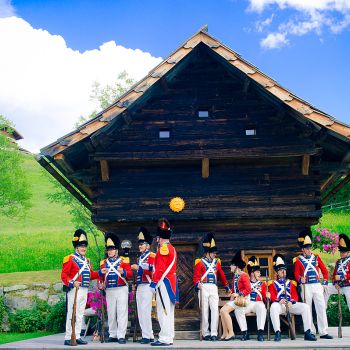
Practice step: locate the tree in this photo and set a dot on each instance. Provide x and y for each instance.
(15, 192)
(81, 216)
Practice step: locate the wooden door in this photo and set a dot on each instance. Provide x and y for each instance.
(265, 261)
(185, 265)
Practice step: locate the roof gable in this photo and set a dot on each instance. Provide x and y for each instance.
(139, 90)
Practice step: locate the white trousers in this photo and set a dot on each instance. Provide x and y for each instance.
(166, 321)
(80, 307)
(258, 307)
(144, 297)
(332, 290)
(302, 309)
(208, 298)
(117, 311)
(315, 292)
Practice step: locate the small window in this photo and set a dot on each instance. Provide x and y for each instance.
(164, 134)
(203, 114)
(250, 132)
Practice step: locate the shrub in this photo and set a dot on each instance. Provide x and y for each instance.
(332, 311)
(56, 319)
(2, 311)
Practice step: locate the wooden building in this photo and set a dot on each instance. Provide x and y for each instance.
(251, 160)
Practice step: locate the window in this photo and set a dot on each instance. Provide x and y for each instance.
(203, 114)
(265, 261)
(164, 133)
(250, 132)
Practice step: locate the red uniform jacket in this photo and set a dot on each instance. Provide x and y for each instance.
(164, 257)
(276, 289)
(113, 280)
(241, 284)
(145, 271)
(258, 291)
(200, 270)
(311, 276)
(71, 266)
(344, 272)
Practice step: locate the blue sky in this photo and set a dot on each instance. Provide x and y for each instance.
(304, 45)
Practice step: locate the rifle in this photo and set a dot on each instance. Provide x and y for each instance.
(134, 337)
(102, 336)
(289, 318)
(340, 332)
(268, 307)
(73, 338)
(200, 310)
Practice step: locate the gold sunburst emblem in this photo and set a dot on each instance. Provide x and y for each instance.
(177, 204)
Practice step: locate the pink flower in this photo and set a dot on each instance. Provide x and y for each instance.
(318, 238)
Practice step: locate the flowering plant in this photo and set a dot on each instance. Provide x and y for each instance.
(95, 301)
(325, 240)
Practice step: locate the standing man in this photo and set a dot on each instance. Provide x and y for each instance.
(144, 295)
(341, 273)
(307, 268)
(164, 284)
(284, 291)
(257, 298)
(207, 271)
(77, 273)
(239, 297)
(115, 271)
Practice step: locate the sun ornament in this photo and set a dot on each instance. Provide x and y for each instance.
(177, 204)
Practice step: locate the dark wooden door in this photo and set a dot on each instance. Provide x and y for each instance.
(185, 266)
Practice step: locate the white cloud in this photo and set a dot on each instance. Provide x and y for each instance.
(307, 16)
(6, 9)
(261, 25)
(45, 86)
(274, 41)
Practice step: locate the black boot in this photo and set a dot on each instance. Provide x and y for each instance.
(245, 336)
(278, 336)
(260, 335)
(326, 336)
(309, 336)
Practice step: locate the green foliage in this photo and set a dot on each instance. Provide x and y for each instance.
(14, 190)
(2, 311)
(56, 319)
(333, 313)
(11, 337)
(30, 320)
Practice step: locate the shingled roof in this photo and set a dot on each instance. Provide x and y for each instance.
(102, 119)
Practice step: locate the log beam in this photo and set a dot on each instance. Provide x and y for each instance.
(305, 165)
(205, 168)
(104, 170)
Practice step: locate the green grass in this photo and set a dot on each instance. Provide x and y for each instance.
(11, 337)
(29, 277)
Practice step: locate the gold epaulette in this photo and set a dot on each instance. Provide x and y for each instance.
(102, 262)
(219, 260)
(126, 259)
(152, 255)
(66, 259)
(295, 259)
(164, 250)
(270, 282)
(197, 261)
(294, 282)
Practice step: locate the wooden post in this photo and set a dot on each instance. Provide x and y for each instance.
(63, 163)
(305, 164)
(205, 168)
(104, 170)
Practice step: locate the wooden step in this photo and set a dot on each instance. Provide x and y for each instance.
(187, 335)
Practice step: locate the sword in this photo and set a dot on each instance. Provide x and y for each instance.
(162, 301)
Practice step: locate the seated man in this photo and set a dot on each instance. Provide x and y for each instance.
(257, 298)
(283, 291)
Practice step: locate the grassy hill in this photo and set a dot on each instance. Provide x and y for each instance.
(40, 239)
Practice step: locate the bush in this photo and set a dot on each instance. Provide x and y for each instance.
(332, 311)
(30, 320)
(56, 319)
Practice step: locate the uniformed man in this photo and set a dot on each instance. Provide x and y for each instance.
(239, 298)
(341, 273)
(207, 272)
(77, 273)
(115, 271)
(307, 269)
(283, 291)
(257, 298)
(164, 283)
(144, 295)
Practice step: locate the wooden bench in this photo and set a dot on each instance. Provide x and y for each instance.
(224, 298)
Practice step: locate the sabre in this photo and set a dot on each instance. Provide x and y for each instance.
(162, 301)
